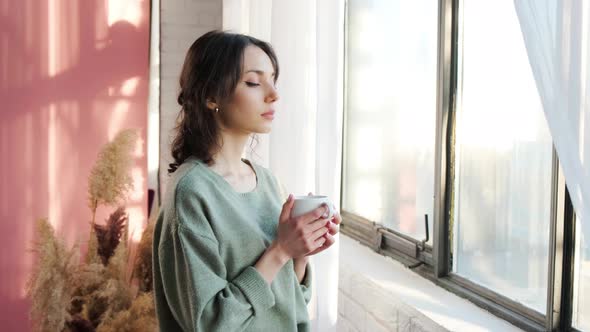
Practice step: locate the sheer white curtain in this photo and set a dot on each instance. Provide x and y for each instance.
(304, 148)
(556, 35)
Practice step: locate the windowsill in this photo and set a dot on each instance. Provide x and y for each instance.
(442, 307)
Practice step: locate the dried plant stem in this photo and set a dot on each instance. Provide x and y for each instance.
(93, 208)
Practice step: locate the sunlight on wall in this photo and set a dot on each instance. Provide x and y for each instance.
(51, 38)
(121, 109)
(136, 223)
(62, 43)
(138, 184)
(118, 117)
(130, 11)
(129, 86)
(54, 201)
(140, 146)
(29, 203)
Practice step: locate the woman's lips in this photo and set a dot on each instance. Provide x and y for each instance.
(269, 115)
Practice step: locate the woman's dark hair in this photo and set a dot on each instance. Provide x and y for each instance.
(212, 69)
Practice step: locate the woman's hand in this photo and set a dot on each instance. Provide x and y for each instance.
(301, 235)
(333, 229)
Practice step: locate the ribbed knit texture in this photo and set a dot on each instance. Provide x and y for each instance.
(207, 239)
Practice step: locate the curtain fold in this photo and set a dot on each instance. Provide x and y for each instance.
(556, 37)
(304, 148)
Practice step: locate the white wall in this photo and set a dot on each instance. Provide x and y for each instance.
(182, 22)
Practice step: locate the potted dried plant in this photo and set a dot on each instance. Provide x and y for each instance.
(108, 290)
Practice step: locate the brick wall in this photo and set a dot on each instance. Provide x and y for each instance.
(363, 306)
(182, 22)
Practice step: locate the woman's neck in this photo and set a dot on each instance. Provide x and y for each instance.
(228, 160)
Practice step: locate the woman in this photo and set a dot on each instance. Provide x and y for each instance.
(227, 255)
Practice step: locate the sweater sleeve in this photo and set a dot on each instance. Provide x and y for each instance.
(306, 283)
(198, 294)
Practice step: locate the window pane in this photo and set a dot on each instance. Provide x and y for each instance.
(503, 160)
(391, 107)
(582, 281)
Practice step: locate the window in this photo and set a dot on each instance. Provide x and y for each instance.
(503, 160)
(443, 119)
(391, 109)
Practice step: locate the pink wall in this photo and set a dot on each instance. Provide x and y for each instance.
(72, 74)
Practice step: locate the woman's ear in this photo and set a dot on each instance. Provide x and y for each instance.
(212, 105)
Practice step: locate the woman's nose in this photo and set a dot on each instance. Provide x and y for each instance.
(273, 95)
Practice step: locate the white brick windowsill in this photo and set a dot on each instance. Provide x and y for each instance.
(377, 293)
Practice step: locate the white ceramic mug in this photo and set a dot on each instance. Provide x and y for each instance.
(305, 204)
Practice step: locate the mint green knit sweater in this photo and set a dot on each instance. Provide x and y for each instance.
(207, 239)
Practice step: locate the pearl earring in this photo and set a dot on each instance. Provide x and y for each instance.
(216, 109)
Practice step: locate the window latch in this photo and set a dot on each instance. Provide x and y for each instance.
(378, 236)
(422, 245)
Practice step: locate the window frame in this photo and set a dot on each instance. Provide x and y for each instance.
(433, 262)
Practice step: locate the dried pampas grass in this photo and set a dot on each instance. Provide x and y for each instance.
(91, 278)
(99, 294)
(141, 316)
(92, 251)
(110, 179)
(117, 267)
(51, 282)
(143, 263)
(117, 295)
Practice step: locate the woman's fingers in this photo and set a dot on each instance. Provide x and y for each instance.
(337, 219)
(314, 215)
(287, 207)
(314, 226)
(320, 242)
(329, 241)
(319, 233)
(333, 228)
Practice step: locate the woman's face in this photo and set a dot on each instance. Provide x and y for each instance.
(251, 108)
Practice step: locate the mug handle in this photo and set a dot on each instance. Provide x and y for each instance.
(331, 207)
(332, 210)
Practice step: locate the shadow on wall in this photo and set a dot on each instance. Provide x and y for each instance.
(72, 75)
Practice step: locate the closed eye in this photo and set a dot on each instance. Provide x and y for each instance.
(252, 84)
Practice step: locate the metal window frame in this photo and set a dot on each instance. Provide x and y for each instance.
(434, 263)
(562, 320)
(556, 249)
